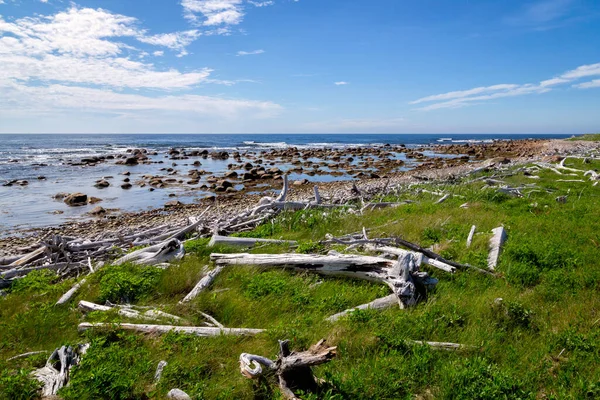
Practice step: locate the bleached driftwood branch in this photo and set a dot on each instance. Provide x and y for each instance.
(496, 243)
(245, 242)
(202, 285)
(292, 370)
(55, 374)
(163, 329)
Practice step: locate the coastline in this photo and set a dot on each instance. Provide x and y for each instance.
(515, 152)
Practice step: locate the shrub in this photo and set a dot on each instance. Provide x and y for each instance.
(127, 283)
(113, 368)
(310, 247)
(18, 385)
(36, 281)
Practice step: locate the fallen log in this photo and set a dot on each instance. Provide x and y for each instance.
(292, 370)
(245, 242)
(31, 353)
(377, 304)
(29, 257)
(163, 329)
(470, 237)
(496, 243)
(55, 374)
(419, 257)
(202, 285)
(71, 292)
(442, 345)
(398, 275)
(159, 253)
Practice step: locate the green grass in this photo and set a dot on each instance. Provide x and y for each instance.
(541, 341)
(588, 137)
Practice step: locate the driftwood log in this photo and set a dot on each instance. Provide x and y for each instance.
(402, 276)
(496, 243)
(292, 370)
(202, 285)
(163, 329)
(55, 374)
(160, 253)
(245, 242)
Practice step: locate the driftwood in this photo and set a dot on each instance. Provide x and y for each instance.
(245, 242)
(163, 329)
(419, 257)
(55, 374)
(441, 345)
(159, 253)
(152, 314)
(470, 237)
(178, 394)
(71, 292)
(377, 304)
(292, 370)
(159, 370)
(399, 275)
(496, 243)
(202, 285)
(31, 353)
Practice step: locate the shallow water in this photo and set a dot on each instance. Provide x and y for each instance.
(46, 155)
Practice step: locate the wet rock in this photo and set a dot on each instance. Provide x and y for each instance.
(76, 199)
(126, 173)
(173, 204)
(98, 211)
(94, 200)
(126, 180)
(131, 161)
(126, 186)
(101, 184)
(22, 183)
(231, 174)
(41, 178)
(60, 196)
(301, 182)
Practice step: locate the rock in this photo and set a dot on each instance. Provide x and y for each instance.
(41, 178)
(248, 166)
(60, 196)
(225, 184)
(98, 211)
(230, 190)
(177, 394)
(131, 161)
(126, 180)
(76, 199)
(197, 163)
(126, 185)
(231, 174)
(301, 182)
(22, 183)
(101, 184)
(173, 203)
(126, 173)
(94, 200)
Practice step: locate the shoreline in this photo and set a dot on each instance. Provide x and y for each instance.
(518, 151)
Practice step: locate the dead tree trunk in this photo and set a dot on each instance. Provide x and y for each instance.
(292, 370)
(55, 375)
(163, 329)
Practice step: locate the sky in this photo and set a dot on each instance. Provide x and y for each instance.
(299, 66)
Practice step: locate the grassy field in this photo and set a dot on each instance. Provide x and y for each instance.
(588, 137)
(541, 342)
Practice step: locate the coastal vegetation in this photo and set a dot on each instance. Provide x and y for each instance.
(540, 340)
(588, 137)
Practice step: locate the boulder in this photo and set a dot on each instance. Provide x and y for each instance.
(76, 199)
(131, 161)
(102, 183)
(98, 211)
(126, 185)
(94, 200)
(173, 203)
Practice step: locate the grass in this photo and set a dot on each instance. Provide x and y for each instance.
(588, 137)
(541, 341)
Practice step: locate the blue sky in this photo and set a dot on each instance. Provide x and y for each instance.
(306, 66)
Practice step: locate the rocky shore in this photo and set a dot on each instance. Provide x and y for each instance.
(252, 174)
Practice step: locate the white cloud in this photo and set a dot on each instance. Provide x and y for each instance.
(78, 60)
(477, 95)
(588, 85)
(218, 13)
(158, 53)
(250, 53)
(341, 83)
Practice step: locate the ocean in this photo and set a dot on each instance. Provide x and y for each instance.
(27, 157)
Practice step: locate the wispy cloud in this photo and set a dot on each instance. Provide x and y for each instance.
(541, 13)
(341, 83)
(218, 13)
(250, 53)
(462, 98)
